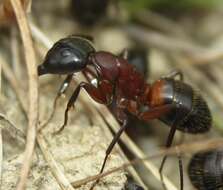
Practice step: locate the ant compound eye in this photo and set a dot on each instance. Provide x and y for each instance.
(65, 53)
(70, 56)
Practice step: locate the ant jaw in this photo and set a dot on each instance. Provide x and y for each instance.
(41, 70)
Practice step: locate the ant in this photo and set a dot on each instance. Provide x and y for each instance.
(172, 101)
(205, 170)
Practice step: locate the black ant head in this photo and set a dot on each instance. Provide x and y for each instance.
(67, 56)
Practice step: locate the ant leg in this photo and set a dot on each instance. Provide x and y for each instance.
(168, 144)
(61, 91)
(181, 163)
(174, 74)
(155, 112)
(110, 147)
(89, 74)
(181, 172)
(102, 94)
(65, 85)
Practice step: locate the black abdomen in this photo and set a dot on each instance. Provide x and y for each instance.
(206, 170)
(191, 113)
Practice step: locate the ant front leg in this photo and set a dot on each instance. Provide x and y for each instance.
(64, 86)
(102, 94)
(123, 118)
(89, 74)
(174, 74)
(60, 92)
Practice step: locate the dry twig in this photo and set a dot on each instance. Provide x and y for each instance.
(0, 78)
(15, 54)
(33, 90)
(6, 11)
(57, 173)
(1, 156)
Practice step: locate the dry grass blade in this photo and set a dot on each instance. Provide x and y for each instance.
(40, 36)
(0, 78)
(33, 90)
(57, 173)
(15, 54)
(7, 13)
(7, 125)
(160, 22)
(1, 156)
(174, 29)
(175, 150)
(10, 76)
(208, 57)
(195, 53)
(161, 41)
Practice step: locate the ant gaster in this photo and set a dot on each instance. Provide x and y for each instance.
(206, 170)
(167, 99)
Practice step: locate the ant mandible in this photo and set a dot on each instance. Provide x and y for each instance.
(205, 170)
(172, 101)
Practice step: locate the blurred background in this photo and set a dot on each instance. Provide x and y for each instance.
(161, 35)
